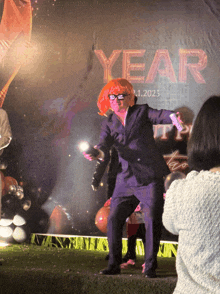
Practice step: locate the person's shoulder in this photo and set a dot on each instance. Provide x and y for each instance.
(209, 175)
(202, 174)
(204, 178)
(109, 118)
(3, 112)
(192, 174)
(145, 105)
(142, 107)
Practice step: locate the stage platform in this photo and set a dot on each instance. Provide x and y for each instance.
(167, 248)
(50, 269)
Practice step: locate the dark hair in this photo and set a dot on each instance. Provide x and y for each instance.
(203, 148)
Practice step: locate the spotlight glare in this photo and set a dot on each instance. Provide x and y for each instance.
(87, 148)
(83, 146)
(3, 244)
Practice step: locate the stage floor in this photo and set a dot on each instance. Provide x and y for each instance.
(53, 270)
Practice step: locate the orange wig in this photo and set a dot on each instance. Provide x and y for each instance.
(116, 86)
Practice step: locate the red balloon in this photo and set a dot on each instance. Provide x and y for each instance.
(101, 218)
(108, 202)
(4, 192)
(9, 181)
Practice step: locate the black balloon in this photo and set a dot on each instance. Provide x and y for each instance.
(172, 177)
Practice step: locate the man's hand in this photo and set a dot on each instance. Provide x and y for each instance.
(181, 120)
(179, 117)
(94, 188)
(90, 157)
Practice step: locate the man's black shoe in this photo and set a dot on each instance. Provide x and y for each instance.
(150, 275)
(107, 257)
(110, 271)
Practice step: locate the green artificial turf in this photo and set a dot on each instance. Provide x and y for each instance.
(31, 269)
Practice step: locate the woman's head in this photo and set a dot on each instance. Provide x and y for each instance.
(116, 86)
(204, 144)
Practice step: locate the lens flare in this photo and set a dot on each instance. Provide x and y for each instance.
(83, 146)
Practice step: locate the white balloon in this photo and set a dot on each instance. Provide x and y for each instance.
(6, 232)
(19, 234)
(5, 222)
(19, 220)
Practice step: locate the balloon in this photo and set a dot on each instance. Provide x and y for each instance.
(12, 189)
(108, 202)
(59, 221)
(172, 177)
(27, 204)
(21, 234)
(9, 181)
(101, 218)
(3, 180)
(19, 194)
(4, 192)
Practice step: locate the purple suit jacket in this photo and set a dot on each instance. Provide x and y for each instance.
(135, 141)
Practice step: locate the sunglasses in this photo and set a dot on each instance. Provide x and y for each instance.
(119, 96)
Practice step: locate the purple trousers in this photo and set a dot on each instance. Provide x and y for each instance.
(151, 197)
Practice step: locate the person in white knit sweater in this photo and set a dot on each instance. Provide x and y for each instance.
(192, 207)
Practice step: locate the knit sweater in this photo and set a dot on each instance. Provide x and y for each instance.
(192, 211)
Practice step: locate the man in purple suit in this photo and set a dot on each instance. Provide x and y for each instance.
(129, 128)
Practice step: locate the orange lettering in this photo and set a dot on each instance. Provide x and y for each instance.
(194, 68)
(107, 63)
(168, 71)
(127, 66)
(187, 131)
